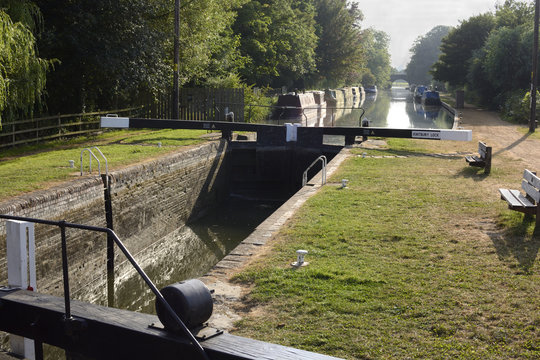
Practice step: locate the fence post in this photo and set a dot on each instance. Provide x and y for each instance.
(21, 261)
(13, 137)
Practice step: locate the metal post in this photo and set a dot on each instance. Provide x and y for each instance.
(110, 241)
(21, 272)
(67, 302)
(176, 75)
(532, 119)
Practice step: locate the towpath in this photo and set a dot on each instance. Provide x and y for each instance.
(511, 140)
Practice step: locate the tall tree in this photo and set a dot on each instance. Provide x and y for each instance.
(111, 52)
(425, 52)
(278, 40)
(457, 49)
(503, 64)
(340, 51)
(22, 71)
(513, 13)
(378, 57)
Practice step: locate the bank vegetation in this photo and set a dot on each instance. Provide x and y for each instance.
(59, 56)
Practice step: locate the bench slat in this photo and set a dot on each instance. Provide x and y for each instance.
(474, 161)
(531, 178)
(482, 149)
(515, 199)
(531, 191)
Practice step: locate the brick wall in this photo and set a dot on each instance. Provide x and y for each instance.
(150, 202)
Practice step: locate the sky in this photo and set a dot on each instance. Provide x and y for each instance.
(406, 20)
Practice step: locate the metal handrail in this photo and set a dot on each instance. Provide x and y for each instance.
(67, 302)
(321, 158)
(92, 155)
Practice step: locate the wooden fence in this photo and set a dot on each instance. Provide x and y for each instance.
(24, 132)
(195, 104)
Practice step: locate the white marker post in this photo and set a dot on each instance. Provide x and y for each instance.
(21, 260)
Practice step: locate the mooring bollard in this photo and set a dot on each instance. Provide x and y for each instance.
(300, 258)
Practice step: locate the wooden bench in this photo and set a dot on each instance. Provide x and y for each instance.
(483, 159)
(527, 204)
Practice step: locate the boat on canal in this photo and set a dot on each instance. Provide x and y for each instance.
(371, 89)
(418, 92)
(296, 107)
(430, 97)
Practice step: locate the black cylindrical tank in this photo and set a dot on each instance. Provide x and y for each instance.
(191, 301)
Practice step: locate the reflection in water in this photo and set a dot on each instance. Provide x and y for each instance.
(393, 108)
(192, 250)
(396, 108)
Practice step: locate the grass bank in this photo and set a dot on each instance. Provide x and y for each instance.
(36, 167)
(417, 259)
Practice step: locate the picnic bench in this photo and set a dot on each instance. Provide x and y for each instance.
(483, 159)
(527, 204)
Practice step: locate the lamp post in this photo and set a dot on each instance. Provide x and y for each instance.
(176, 74)
(532, 119)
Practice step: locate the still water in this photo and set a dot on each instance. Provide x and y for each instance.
(394, 108)
(193, 250)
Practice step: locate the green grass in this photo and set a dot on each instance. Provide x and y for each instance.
(35, 167)
(448, 98)
(417, 259)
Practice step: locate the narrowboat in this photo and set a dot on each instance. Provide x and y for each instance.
(371, 89)
(431, 98)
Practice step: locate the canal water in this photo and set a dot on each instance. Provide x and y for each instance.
(196, 248)
(394, 108)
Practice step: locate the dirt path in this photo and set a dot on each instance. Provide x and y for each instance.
(505, 138)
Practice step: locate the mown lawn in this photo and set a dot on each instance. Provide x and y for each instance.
(36, 167)
(417, 259)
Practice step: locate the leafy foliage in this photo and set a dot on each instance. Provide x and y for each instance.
(458, 46)
(340, 51)
(378, 58)
(113, 52)
(490, 54)
(278, 39)
(425, 52)
(494, 73)
(514, 13)
(22, 72)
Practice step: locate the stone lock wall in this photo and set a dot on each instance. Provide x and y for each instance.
(150, 202)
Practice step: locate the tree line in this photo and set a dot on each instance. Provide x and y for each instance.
(488, 55)
(62, 56)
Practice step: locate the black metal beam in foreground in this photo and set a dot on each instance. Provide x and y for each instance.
(427, 134)
(107, 333)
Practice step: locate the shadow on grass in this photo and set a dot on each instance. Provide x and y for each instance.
(397, 152)
(471, 172)
(519, 243)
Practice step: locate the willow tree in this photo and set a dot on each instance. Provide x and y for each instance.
(22, 72)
